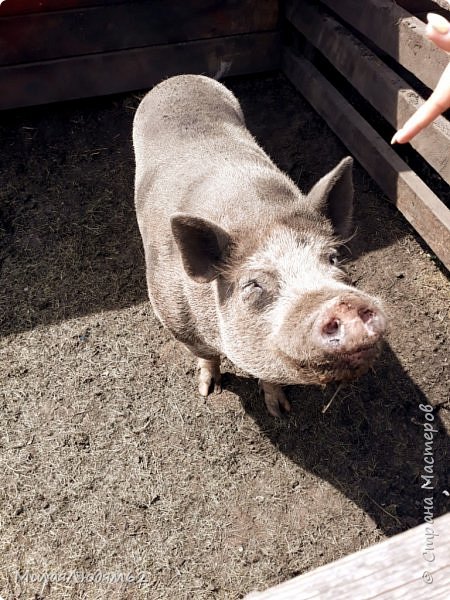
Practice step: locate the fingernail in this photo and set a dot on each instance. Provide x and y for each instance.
(394, 138)
(438, 23)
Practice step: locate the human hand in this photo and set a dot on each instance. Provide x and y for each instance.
(437, 30)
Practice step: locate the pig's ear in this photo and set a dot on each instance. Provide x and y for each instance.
(201, 244)
(332, 196)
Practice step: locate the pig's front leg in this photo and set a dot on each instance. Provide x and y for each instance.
(209, 377)
(209, 370)
(274, 398)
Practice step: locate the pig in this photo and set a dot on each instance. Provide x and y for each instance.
(239, 262)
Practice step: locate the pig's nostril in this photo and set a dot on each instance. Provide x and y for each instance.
(366, 314)
(332, 327)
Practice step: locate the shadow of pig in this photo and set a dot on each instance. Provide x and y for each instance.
(369, 444)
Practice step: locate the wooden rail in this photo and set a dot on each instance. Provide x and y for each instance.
(60, 33)
(413, 565)
(53, 50)
(397, 32)
(388, 93)
(115, 72)
(423, 209)
(347, 34)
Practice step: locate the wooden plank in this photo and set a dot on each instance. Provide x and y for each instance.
(420, 206)
(422, 7)
(397, 33)
(393, 569)
(115, 72)
(52, 35)
(16, 7)
(376, 82)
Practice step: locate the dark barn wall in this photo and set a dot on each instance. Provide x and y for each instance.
(52, 51)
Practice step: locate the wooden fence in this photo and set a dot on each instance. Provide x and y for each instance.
(53, 50)
(370, 44)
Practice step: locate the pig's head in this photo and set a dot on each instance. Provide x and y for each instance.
(285, 311)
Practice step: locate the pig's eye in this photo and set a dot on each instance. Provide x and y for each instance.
(251, 285)
(259, 291)
(252, 290)
(333, 258)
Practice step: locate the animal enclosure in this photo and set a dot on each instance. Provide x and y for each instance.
(110, 461)
(365, 71)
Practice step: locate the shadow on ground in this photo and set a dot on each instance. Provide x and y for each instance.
(369, 444)
(69, 242)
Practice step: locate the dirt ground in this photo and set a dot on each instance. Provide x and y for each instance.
(111, 464)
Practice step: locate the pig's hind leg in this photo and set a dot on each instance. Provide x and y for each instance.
(209, 376)
(274, 398)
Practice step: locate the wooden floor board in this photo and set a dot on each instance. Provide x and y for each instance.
(396, 569)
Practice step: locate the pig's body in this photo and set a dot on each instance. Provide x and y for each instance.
(195, 155)
(234, 251)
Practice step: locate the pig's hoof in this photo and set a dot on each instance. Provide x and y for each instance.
(274, 398)
(209, 378)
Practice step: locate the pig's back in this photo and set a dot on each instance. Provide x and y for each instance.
(186, 124)
(183, 111)
(194, 154)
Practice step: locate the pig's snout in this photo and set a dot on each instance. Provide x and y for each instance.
(349, 324)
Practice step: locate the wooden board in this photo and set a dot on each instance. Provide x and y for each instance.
(397, 33)
(376, 82)
(114, 72)
(422, 7)
(60, 34)
(420, 206)
(391, 570)
(17, 7)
